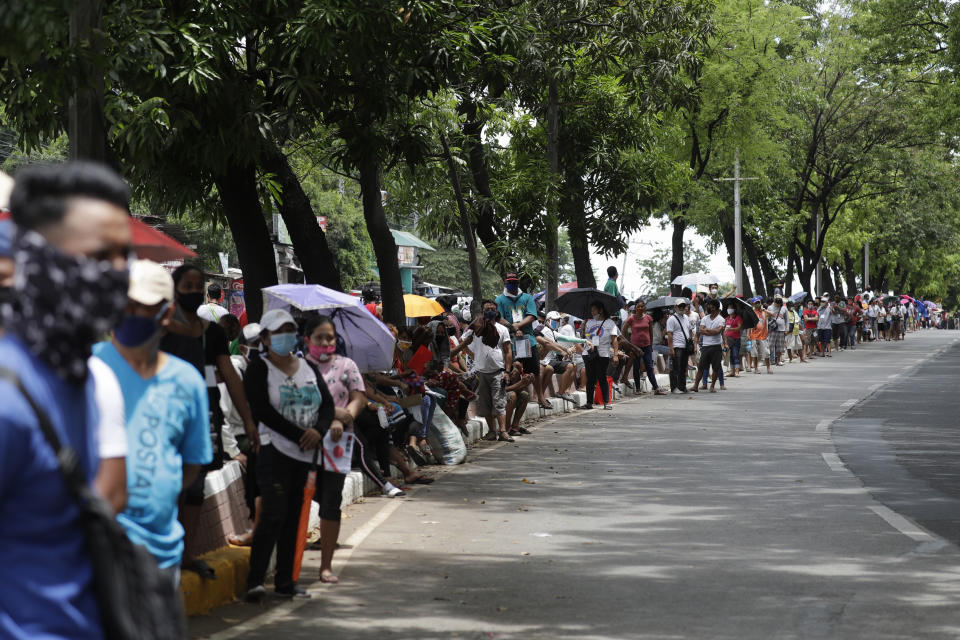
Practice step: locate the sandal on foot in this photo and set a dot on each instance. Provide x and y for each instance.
(328, 578)
(490, 437)
(505, 437)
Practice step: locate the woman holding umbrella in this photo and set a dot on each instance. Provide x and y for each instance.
(601, 334)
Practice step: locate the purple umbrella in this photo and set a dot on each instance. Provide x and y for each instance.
(368, 341)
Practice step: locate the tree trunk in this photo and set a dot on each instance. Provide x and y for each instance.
(309, 240)
(676, 261)
(486, 225)
(837, 278)
(572, 210)
(827, 280)
(86, 130)
(391, 285)
(475, 287)
(237, 187)
(553, 218)
(849, 274)
(788, 280)
(751, 251)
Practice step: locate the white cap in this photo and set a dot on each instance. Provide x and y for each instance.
(150, 283)
(554, 315)
(276, 318)
(251, 332)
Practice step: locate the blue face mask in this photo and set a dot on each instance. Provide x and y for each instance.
(512, 288)
(283, 344)
(490, 314)
(135, 331)
(554, 324)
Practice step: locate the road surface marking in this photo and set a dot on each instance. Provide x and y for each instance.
(849, 403)
(901, 524)
(340, 561)
(823, 426)
(833, 461)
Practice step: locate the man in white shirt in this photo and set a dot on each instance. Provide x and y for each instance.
(212, 311)
(492, 358)
(679, 338)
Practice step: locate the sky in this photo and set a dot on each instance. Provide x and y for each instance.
(642, 245)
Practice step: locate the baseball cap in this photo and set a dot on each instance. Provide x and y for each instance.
(511, 277)
(554, 315)
(251, 332)
(276, 318)
(150, 283)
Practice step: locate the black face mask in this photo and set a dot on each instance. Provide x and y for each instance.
(190, 302)
(490, 315)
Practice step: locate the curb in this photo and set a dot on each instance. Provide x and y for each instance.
(232, 565)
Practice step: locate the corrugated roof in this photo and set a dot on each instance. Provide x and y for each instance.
(406, 239)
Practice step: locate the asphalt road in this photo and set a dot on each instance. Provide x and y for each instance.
(727, 515)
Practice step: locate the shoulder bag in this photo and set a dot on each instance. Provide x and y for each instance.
(136, 601)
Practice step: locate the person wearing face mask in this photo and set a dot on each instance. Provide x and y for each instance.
(204, 345)
(810, 317)
(758, 337)
(294, 409)
(518, 312)
(602, 336)
(639, 327)
(166, 408)
(825, 326)
(72, 239)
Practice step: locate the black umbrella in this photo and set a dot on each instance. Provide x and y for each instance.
(576, 302)
(749, 316)
(665, 302)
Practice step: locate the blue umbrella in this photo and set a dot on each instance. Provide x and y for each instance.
(368, 341)
(798, 297)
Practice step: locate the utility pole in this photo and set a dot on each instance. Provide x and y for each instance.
(819, 291)
(737, 222)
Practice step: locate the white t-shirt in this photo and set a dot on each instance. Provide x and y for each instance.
(600, 335)
(297, 398)
(488, 359)
(547, 333)
(679, 325)
(112, 427)
(212, 312)
(713, 323)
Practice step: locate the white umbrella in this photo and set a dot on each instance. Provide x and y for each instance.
(693, 279)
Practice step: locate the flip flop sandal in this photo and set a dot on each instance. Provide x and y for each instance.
(423, 480)
(503, 437)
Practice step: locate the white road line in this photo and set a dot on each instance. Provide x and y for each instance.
(823, 426)
(340, 561)
(901, 524)
(849, 403)
(833, 461)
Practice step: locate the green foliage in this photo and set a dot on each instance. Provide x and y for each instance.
(449, 266)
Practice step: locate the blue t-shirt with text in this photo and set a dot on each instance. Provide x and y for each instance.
(46, 588)
(167, 427)
(514, 310)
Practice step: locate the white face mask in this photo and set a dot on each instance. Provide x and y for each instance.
(729, 311)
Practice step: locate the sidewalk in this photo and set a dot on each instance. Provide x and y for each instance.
(232, 563)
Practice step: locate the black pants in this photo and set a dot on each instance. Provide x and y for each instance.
(281, 481)
(376, 438)
(678, 370)
(364, 451)
(711, 356)
(597, 373)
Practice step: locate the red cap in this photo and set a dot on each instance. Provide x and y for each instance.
(511, 277)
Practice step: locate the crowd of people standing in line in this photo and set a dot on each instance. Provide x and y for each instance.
(151, 384)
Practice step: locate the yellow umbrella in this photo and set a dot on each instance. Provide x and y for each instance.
(420, 307)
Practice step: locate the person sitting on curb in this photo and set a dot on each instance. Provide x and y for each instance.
(518, 396)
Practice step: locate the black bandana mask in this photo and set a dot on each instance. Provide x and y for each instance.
(62, 304)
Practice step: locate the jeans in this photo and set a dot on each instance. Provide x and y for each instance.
(734, 352)
(281, 481)
(427, 408)
(678, 370)
(841, 335)
(597, 373)
(647, 354)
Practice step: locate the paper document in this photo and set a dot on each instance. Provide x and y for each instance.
(337, 456)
